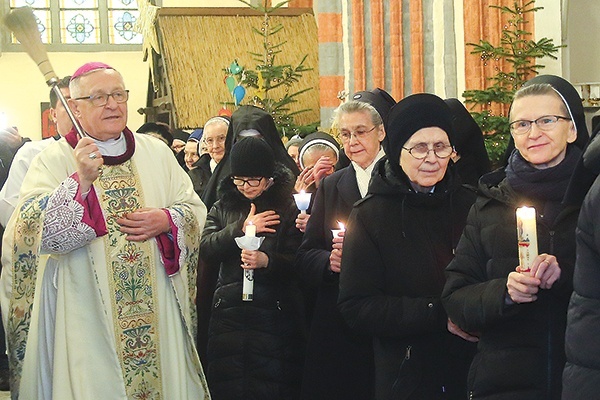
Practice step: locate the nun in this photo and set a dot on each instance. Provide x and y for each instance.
(519, 311)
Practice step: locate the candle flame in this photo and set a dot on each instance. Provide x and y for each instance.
(302, 191)
(342, 227)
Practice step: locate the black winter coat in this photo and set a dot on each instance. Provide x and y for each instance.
(347, 356)
(201, 174)
(255, 349)
(581, 378)
(521, 348)
(396, 247)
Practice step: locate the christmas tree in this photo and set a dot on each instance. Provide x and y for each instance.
(515, 62)
(269, 78)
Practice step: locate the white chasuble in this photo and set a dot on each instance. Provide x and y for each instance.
(106, 315)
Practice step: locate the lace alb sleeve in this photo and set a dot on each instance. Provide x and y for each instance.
(64, 227)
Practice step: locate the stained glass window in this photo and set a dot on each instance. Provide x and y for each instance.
(85, 22)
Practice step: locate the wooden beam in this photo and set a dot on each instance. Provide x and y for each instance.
(229, 11)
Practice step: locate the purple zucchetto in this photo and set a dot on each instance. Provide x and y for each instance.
(89, 67)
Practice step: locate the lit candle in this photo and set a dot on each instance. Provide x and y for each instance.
(248, 282)
(527, 237)
(302, 201)
(336, 232)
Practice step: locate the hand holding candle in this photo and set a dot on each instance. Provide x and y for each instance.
(248, 283)
(335, 257)
(302, 200)
(248, 242)
(527, 237)
(336, 232)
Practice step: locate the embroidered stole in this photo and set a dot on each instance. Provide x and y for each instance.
(26, 257)
(131, 265)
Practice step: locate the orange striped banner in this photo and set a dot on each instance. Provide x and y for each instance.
(482, 21)
(396, 49)
(416, 45)
(330, 87)
(377, 44)
(358, 42)
(330, 27)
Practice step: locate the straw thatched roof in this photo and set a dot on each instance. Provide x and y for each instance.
(197, 43)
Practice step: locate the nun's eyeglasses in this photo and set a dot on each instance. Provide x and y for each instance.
(252, 182)
(421, 150)
(359, 134)
(545, 123)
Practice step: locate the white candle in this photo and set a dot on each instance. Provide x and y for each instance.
(250, 230)
(302, 200)
(527, 237)
(248, 282)
(336, 232)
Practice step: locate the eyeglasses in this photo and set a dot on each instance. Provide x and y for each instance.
(545, 123)
(421, 150)
(100, 100)
(218, 140)
(252, 182)
(358, 134)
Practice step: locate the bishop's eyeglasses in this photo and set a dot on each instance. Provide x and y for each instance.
(100, 99)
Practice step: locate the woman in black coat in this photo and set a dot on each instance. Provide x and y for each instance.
(399, 239)
(519, 311)
(581, 377)
(346, 355)
(246, 120)
(255, 348)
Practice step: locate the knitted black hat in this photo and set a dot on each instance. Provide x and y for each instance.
(252, 157)
(422, 110)
(381, 100)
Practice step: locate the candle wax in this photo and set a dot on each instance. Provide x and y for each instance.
(526, 236)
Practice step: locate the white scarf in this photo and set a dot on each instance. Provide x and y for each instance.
(363, 176)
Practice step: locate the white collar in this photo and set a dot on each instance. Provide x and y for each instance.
(112, 147)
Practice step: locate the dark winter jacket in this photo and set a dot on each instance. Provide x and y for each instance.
(347, 356)
(521, 348)
(581, 377)
(201, 174)
(396, 247)
(255, 349)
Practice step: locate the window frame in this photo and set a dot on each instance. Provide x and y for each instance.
(7, 46)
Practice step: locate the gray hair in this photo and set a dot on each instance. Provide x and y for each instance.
(75, 87)
(353, 106)
(216, 120)
(541, 89)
